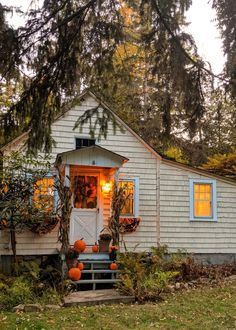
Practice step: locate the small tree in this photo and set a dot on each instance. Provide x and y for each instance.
(18, 179)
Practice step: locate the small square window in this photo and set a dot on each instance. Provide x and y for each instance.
(83, 143)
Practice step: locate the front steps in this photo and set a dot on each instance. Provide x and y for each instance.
(96, 272)
(88, 298)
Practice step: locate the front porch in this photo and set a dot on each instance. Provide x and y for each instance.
(90, 172)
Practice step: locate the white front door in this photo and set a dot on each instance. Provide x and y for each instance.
(85, 213)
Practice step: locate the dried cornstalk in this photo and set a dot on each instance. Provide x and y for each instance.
(65, 195)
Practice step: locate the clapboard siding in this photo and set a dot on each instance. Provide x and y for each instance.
(142, 164)
(177, 231)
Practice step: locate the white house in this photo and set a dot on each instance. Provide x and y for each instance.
(177, 205)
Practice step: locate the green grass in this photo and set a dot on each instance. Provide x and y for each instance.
(207, 308)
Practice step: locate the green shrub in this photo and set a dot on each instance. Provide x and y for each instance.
(144, 275)
(15, 291)
(31, 285)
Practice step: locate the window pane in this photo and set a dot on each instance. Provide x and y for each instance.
(82, 143)
(128, 187)
(202, 200)
(44, 194)
(203, 209)
(84, 191)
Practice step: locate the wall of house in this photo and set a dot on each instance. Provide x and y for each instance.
(29, 243)
(142, 164)
(200, 237)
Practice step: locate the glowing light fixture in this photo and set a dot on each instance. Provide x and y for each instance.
(106, 187)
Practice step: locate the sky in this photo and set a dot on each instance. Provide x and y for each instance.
(202, 26)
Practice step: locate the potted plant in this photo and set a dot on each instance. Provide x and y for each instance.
(105, 239)
(72, 258)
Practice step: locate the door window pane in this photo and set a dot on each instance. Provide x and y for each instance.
(84, 191)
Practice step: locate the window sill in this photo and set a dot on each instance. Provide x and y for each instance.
(203, 220)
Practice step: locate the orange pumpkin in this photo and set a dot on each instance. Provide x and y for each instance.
(80, 265)
(113, 266)
(74, 274)
(80, 245)
(113, 248)
(95, 248)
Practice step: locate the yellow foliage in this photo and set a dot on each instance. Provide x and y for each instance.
(176, 154)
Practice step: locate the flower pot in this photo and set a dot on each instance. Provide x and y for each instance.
(104, 245)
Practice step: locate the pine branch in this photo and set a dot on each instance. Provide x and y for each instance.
(197, 64)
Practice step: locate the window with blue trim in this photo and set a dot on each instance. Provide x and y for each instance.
(44, 194)
(131, 192)
(203, 200)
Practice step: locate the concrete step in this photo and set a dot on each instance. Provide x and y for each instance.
(91, 297)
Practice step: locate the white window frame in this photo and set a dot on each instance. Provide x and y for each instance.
(135, 180)
(192, 182)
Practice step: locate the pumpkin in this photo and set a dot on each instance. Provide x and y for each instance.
(74, 274)
(95, 248)
(80, 265)
(113, 248)
(80, 245)
(113, 266)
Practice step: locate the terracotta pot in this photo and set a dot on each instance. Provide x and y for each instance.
(104, 245)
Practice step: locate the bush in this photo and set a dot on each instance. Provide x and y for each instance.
(15, 291)
(147, 275)
(31, 284)
(144, 275)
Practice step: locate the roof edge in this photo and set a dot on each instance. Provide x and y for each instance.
(198, 171)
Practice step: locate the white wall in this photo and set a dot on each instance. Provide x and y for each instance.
(177, 231)
(142, 163)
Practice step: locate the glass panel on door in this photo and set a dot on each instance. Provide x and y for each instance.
(85, 191)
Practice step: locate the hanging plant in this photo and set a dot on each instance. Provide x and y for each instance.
(45, 226)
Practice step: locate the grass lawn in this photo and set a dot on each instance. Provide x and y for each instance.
(207, 308)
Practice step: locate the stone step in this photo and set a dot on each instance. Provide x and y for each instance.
(91, 297)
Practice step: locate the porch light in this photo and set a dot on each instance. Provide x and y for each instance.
(106, 187)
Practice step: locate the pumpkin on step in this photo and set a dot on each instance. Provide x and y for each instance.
(113, 248)
(80, 265)
(80, 245)
(74, 274)
(95, 248)
(113, 266)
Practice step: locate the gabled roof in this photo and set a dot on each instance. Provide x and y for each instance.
(92, 156)
(153, 151)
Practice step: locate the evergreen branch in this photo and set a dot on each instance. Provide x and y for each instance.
(197, 64)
